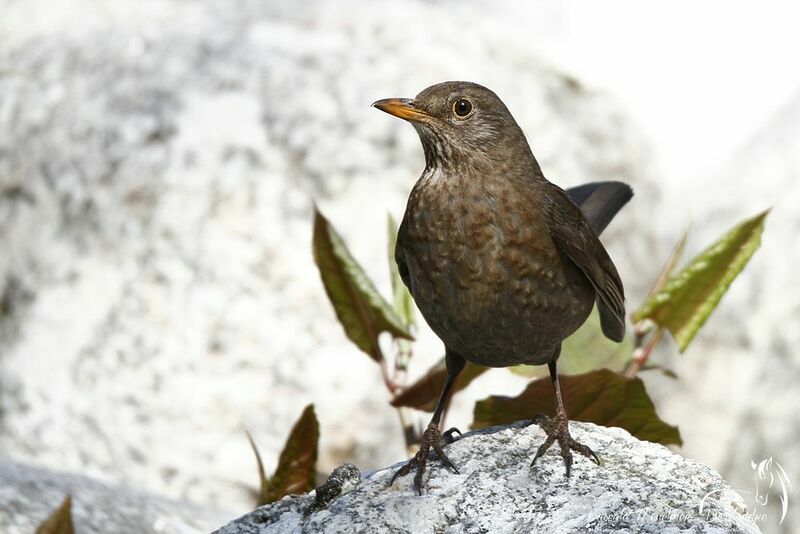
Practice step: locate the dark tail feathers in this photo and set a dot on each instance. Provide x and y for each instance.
(600, 201)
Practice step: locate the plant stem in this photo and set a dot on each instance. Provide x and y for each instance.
(388, 381)
(396, 382)
(642, 353)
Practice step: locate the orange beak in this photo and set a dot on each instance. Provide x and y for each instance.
(401, 107)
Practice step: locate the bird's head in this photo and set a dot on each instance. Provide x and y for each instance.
(459, 123)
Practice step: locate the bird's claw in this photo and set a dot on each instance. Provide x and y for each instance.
(431, 438)
(557, 429)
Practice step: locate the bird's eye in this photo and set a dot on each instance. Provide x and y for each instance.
(462, 107)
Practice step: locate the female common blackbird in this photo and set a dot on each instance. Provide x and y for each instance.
(503, 264)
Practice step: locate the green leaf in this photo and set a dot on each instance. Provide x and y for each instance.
(602, 397)
(60, 521)
(361, 310)
(401, 298)
(688, 297)
(424, 393)
(587, 349)
(296, 471)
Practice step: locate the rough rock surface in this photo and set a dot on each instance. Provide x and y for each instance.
(157, 166)
(29, 495)
(640, 487)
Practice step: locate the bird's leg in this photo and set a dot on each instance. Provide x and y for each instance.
(557, 428)
(433, 437)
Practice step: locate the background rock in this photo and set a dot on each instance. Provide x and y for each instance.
(29, 495)
(640, 487)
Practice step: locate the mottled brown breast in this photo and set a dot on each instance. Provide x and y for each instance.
(486, 274)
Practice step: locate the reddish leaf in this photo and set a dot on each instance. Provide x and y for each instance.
(263, 481)
(424, 393)
(602, 397)
(361, 310)
(296, 469)
(60, 521)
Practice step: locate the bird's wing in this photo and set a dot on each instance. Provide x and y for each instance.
(578, 241)
(600, 201)
(399, 257)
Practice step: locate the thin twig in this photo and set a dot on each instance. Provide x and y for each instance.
(396, 383)
(390, 384)
(641, 354)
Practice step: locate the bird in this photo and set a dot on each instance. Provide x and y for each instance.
(502, 263)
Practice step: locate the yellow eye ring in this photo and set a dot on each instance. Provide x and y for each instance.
(462, 108)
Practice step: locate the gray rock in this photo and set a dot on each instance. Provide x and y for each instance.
(29, 495)
(640, 487)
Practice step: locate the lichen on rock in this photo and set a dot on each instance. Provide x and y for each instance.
(343, 480)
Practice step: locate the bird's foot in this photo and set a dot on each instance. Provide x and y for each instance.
(431, 438)
(557, 429)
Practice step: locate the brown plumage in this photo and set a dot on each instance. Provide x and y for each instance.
(502, 263)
